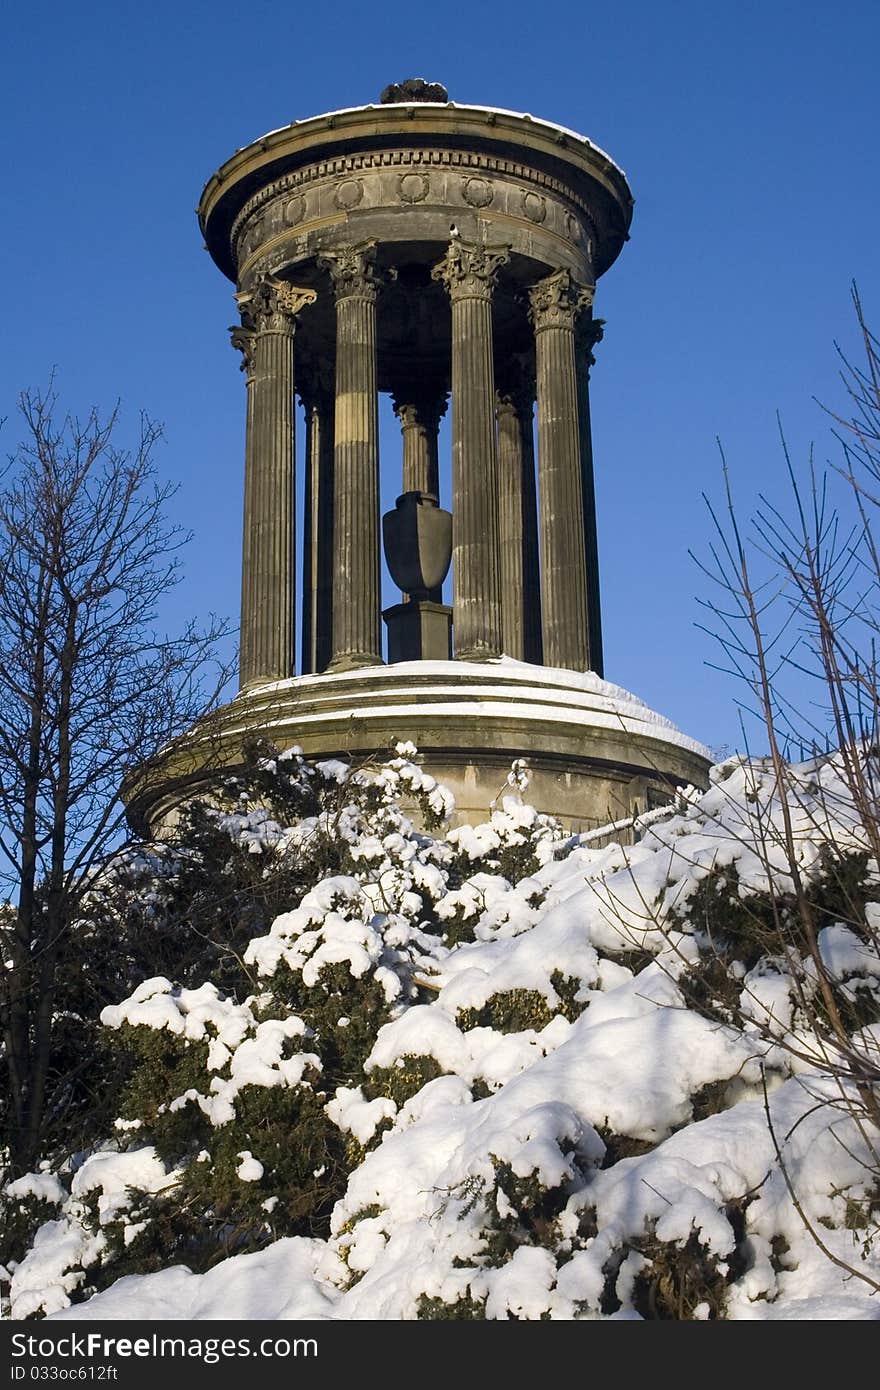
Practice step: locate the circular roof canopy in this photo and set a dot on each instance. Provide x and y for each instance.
(410, 121)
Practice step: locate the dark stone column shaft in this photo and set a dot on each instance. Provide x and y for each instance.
(419, 423)
(468, 272)
(356, 598)
(317, 608)
(268, 581)
(588, 332)
(534, 642)
(555, 302)
(517, 526)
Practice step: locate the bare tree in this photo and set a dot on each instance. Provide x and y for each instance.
(89, 690)
(796, 610)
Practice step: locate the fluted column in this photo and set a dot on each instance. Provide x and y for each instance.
(588, 332)
(420, 414)
(267, 581)
(555, 304)
(518, 525)
(317, 605)
(356, 599)
(468, 272)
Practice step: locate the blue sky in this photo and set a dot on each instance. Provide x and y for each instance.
(749, 133)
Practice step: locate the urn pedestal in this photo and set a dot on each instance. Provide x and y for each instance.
(417, 536)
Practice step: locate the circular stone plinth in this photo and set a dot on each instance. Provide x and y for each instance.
(595, 752)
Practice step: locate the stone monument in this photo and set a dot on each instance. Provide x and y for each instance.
(446, 255)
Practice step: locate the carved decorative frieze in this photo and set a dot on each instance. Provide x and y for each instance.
(468, 270)
(348, 194)
(535, 207)
(477, 193)
(294, 210)
(557, 301)
(414, 166)
(413, 188)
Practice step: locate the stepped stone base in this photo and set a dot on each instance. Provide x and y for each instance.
(595, 752)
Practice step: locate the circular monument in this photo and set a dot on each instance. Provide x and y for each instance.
(447, 255)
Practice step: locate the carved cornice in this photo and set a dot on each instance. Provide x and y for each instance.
(352, 270)
(272, 307)
(420, 161)
(558, 301)
(468, 269)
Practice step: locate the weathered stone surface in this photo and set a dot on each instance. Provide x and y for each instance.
(419, 413)
(268, 583)
(555, 305)
(317, 607)
(414, 89)
(588, 332)
(418, 544)
(530, 215)
(419, 630)
(468, 272)
(518, 524)
(595, 753)
(357, 637)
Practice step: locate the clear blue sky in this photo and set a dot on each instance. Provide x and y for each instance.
(749, 133)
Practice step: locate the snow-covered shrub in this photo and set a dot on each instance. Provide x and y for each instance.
(492, 1072)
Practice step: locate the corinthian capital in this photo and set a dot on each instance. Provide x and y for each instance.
(558, 301)
(273, 306)
(419, 409)
(243, 341)
(588, 333)
(468, 270)
(352, 270)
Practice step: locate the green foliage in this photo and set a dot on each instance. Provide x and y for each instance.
(22, 1218)
(515, 1010)
(511, 1011)
(676, 1282)
(463, 1309)
(402, 1081)
(532, 1211)
(337, 994)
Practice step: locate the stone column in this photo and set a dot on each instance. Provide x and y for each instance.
(468, 272)
(317, 605)
(555, 304)
(588, 332)
(420, 414)
(518, 525)
(356, 598)
(267, 579)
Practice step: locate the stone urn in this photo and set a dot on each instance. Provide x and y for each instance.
(418, 544)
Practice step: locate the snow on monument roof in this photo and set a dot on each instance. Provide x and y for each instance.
(446, 106)
(502, 686)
